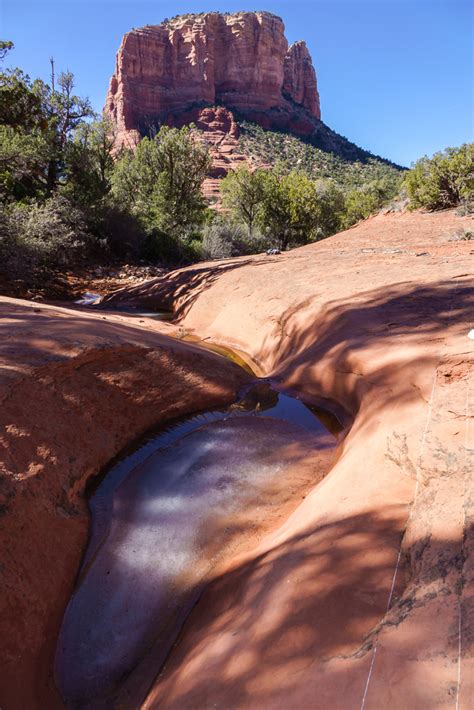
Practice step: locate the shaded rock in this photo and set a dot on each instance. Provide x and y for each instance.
(75, 390)
(366, 590)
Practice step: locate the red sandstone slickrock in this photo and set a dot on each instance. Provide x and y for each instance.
(364, 596)
(241, 61)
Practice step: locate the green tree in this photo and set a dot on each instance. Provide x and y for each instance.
(5, 47)
(443, 180)
(329, 208)
(37, 126)
(22, 164)
(65, 112)
(297, 210)
(55, 175)
(243, 192)
(89, 161)
(161, 181)
(20, 101)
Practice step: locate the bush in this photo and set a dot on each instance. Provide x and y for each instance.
(160, 182)
(55, 232)
(159, 247)
(462, 235)
(122, 232)
(361, 202)
(36, 239)
(297, 210)
(442, 181)
(466, 207)
(223, 239)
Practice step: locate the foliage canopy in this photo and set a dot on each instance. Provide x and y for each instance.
(161, 181)
(443, 180)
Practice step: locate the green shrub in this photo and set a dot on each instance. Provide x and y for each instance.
(297, 210)
(56, 231)
(36, 239)
(160, 183)
(121, 231)
(368, 199)
(223, 239)
(466, 207)
(443, 180)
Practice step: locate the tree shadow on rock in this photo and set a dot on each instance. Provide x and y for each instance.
(296, 621)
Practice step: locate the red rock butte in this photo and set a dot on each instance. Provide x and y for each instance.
(241, 61)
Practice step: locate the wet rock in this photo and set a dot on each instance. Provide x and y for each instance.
(362, 588)
(75, 390)
(172, 520)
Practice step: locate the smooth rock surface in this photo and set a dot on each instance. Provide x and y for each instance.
(175, 516)
(364, 598)
(75, 388)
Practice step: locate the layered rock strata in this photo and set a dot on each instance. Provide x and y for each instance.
(241, 61)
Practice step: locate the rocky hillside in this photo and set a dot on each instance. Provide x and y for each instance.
(224, 72)
(269, 147)
(241, 61)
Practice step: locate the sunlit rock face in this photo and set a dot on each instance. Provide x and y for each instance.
(241, 61)
(161, 529)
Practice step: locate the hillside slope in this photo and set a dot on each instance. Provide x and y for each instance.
(231, 74)
(324, 155)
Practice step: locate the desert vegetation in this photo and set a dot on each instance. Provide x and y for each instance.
(67, 197)
(445, 180)
(271, 147)
(283, 208)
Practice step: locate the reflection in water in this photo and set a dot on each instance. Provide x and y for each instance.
(240, 358)
(89, 299)
(161, 520)
(94, 299)
(155, 315)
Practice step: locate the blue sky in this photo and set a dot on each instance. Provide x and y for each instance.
(395, 76)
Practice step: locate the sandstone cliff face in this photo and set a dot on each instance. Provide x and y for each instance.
(300, 78)
(241, 61)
